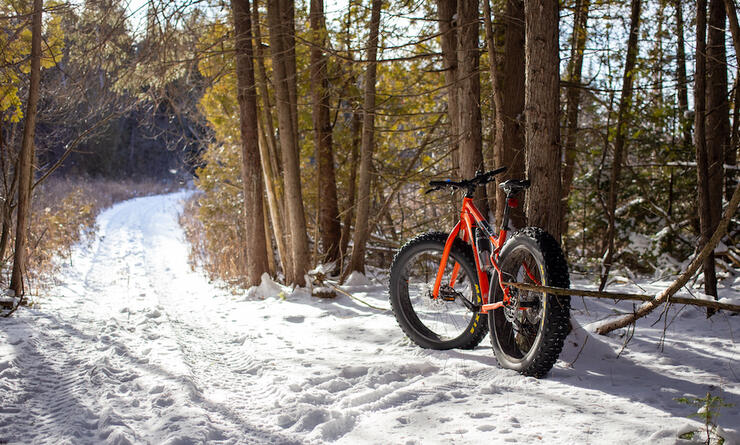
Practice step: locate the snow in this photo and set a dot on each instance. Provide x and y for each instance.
(136, 347)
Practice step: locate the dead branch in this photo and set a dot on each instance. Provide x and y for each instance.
(682, 279)
(558, 291)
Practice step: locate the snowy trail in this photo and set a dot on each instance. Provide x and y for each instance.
(135, 347)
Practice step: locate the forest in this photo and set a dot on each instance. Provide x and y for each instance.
(180, 181)
(310, 130)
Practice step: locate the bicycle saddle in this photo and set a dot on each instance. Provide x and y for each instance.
(514, 186)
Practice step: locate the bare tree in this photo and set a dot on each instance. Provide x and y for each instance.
(329, 224)
(254, 227)
(541, 105)
(621, 137)
(362, 229)
(573, 101)
(446, 12)
(468, 96)
(508, 93)
(282, 46)
(26, 161)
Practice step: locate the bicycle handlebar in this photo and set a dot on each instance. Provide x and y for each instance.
(469, 184)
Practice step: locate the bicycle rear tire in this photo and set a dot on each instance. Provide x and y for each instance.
(528, 336)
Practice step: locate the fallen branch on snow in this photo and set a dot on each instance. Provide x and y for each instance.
(559, 291)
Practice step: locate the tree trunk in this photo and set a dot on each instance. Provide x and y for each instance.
(508, 74)
(362, 231)
(275, 206)
(573, 102)
(352, 190)
(700, 138)
(25, 165)
(731, 153)
(620, 139)
(266, 109)
(446, 10)
(284, 81)
(254, 226)
(468, 95)
(271, 264)
(718, 114)
(718, 108)
(716, 133)
(542, 107)
(682, 79)
(329, 225)
(271, 166)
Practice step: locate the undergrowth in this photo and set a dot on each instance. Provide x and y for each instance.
(217, 244)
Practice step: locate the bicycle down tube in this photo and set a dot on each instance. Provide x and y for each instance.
(470, 218)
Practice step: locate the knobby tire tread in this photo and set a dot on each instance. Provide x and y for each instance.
(557, 324)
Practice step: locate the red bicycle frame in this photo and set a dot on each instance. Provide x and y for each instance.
(471, 218)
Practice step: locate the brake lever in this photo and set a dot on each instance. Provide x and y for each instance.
(433, 189)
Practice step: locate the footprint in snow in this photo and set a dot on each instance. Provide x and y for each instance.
(154, 314)
(295, 319)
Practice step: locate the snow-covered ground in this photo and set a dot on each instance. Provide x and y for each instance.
(136, 347)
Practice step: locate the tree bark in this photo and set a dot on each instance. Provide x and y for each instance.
(713, 130)
(329, 224)
(623, 113)
(269, 155)
(254, 226)
(700, 141)
(362, 230)
(446, 10)
(352, 190)
(682, 79)
(718, 109)
(275, 205)
(26, 164)
(508, 75)
(283, 57)
(268, 123)
(731, 153)
(541, 107)
(468, 95)
(573, 102)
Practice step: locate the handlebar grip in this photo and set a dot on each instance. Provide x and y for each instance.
(439, 184)
(497, 171)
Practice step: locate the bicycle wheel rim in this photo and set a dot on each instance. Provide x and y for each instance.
(518, 331)
(437, 319)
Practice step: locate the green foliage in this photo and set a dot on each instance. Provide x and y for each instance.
(15, 49)
(709, 408)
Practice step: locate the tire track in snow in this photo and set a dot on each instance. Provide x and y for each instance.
(216, 367)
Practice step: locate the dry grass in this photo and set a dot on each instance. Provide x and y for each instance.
(63, 214)
(217, 245)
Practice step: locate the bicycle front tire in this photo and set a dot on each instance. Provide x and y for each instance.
(437, 323)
